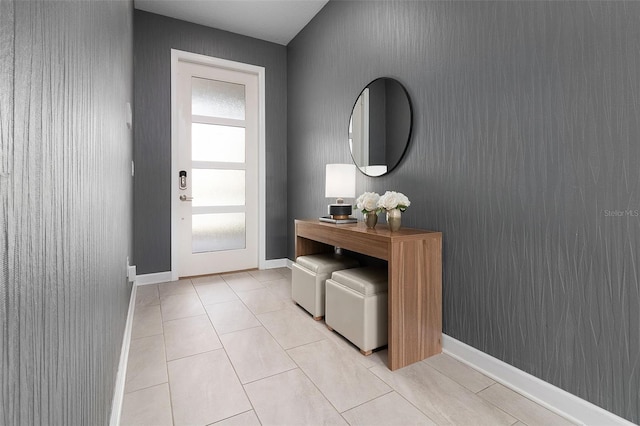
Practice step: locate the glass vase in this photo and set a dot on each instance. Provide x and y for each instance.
(394, 219)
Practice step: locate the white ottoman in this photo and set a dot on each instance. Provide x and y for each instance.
(308, 276)
(356, 306)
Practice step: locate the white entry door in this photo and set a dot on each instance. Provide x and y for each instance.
(217, 170)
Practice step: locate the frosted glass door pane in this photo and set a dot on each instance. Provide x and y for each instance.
(215, 187)
(217, 98)
(218, 231)
(211, 142)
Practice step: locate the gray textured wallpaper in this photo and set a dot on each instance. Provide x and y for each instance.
(154, 38)
(6, 148)
(65, 207)
(525, 154)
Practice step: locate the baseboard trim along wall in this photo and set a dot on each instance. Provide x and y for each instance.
(118, 393)
(274, 263)
(551, 397)
(163, 277)
(159, 277)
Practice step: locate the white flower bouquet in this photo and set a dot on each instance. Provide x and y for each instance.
(368, 202)
(394, 200)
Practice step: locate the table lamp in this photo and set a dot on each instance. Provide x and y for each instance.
(340, 184)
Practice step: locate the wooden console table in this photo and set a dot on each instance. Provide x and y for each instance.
(414, 258)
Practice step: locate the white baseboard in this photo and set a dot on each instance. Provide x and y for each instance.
(274, 263)
(551, 397)
(163, 277)
(118, 393)
(159, 277)
(289, 263)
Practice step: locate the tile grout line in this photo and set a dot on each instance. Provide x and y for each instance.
(391, 390)
(401, 395)
(486, 387)
(320, 390)
(233, 367)
(494, 383)
(298, 367)
(489, 403)
(173, 420)
(223, 348)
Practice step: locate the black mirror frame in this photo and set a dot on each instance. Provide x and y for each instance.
(409, 134)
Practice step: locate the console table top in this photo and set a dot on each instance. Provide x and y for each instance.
(380, 229)
(357, 237)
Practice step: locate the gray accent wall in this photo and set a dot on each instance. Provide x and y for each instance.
(154, 37)
(65, 207)
(525, 154)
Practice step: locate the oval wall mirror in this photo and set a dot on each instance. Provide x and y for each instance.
(380, 126)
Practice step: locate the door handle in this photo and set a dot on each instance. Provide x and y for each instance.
(185, 198)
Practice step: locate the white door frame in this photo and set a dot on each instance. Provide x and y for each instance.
(179, 55)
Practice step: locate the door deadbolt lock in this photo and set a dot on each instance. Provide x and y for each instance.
(182, 180)
(185, 198)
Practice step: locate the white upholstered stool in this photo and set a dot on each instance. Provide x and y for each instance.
(308, 277)
(356, 306)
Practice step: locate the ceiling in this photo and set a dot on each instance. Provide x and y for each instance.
(277, 21)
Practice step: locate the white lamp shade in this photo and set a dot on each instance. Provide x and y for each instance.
(340, 181)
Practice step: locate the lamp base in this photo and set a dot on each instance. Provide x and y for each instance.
(339, 211)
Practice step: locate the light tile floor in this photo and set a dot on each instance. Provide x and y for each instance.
(234, 349)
